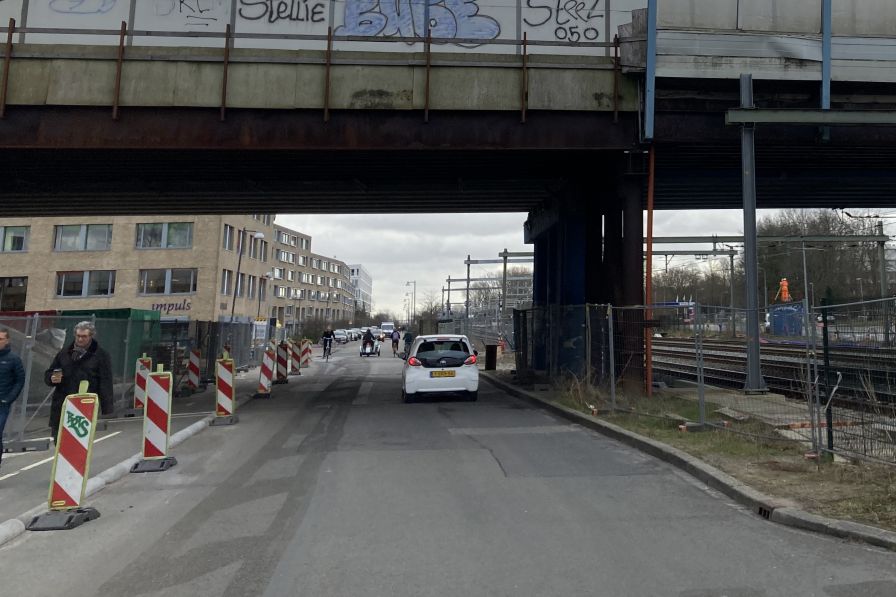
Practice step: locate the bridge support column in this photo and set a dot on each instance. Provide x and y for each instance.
(571, 267)
(630, 323)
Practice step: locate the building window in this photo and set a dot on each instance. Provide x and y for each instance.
(226, 281)
(278, 273)
(291, 275)
(167, 235)
(240, 284)
(14, 239)
(80, 284)
(280, 291)
(253, 282)
(228, 237)
(167, 281)
(303, 260)
(83, 237)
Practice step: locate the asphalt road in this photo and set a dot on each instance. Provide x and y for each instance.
(334, 487)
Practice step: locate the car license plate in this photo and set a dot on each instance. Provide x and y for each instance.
(441, 373)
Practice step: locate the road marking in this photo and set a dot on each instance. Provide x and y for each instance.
(9, 475)
(46, 460)
(364, 393)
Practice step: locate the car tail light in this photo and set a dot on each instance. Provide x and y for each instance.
(471, 360)
(414, 362)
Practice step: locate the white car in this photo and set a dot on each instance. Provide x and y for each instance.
(440, 364)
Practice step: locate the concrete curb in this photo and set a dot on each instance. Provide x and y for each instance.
(773, 509)
(12, 528)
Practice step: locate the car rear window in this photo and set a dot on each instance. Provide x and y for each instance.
(442, 348)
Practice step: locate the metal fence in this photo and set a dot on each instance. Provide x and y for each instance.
(829, 372)
(37, 339)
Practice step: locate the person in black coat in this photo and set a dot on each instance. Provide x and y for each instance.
(12, 379)
(83, 360)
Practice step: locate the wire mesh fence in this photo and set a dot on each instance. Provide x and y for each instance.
(827, 373)
(38, 338)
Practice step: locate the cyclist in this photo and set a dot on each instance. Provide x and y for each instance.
(408, 338)
(396, 336)
(327, 338)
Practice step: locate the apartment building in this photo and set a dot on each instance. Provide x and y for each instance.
(362, 283)
(201, 268)
(307, 285)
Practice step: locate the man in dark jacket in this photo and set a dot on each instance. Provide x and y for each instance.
(12, 379)
(83, 360)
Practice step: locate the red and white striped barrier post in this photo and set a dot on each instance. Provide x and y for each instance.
(156, 424)
(71, 465)
(295, 359)
(306, 352)
(282, 364)
(265, 378)
(225, 405)
(144, 366)
(193, 369)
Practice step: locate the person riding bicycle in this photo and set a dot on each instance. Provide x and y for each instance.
(327, 338)
(408, 338)
(396, 336)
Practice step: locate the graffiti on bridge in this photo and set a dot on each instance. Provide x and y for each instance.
(572, 20)
(273, 11)
(82, 7)
(195, 13)
(406, 18)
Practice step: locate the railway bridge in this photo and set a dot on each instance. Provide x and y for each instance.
(580, 116)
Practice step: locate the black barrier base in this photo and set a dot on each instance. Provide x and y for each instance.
(26, 445)
(154, 466)
(262, 395)
(295, 372)
(132, 412)
(62, 520)
(280, 380)
(225, 420)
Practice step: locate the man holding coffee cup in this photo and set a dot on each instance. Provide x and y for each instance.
(83, 360)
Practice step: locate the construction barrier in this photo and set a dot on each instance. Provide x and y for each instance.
(306, 352)
(156, 424)
(71, 464)
(295, 359)
(265, 377)
(193, 369)
(144, 366)
(282, 363)
(225, 405)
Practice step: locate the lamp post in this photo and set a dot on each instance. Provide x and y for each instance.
(239, 263)
(413, 301)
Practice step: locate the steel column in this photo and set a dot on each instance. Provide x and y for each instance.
(754, 382)
(7, 59)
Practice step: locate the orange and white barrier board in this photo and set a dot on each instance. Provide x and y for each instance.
(224, 404)
(144, 366)
(71, 464)
(265, 378)
(74, 447)
(306, 353)
(282, 363)
(193, 369)
(295, 359)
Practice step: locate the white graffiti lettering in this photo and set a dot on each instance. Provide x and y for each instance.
(572, 20)
(406, 18)
(82, 7)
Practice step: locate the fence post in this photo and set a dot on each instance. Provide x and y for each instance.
(19, 443)
(612, 351)
(588, 343)
(829, 413)
(698, 349)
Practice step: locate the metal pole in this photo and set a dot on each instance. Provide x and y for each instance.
(611, 350)
(754, 382)
(504, 284)
(239, 263)
(825, 343)
(468, 288)
(698, 349)
(588, 344)
(731, 287)
(882, 252)
(448, 304)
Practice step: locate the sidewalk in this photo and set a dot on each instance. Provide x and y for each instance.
(780, 510)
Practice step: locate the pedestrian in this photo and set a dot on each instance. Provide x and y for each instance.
(12, 379)
(83, 360)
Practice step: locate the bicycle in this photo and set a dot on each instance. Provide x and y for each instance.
(328, 348)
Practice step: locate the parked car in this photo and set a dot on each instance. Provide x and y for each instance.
(440, 364)
(819, 319)
(340, 336)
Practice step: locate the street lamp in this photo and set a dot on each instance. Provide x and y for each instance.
(239, 263)
(414, 301)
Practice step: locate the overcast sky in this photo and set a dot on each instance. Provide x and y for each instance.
(398, 248)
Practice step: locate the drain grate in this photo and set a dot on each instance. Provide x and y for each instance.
(765, 513)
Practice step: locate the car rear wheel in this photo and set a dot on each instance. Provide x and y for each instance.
(473, 396)
(406, 398)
